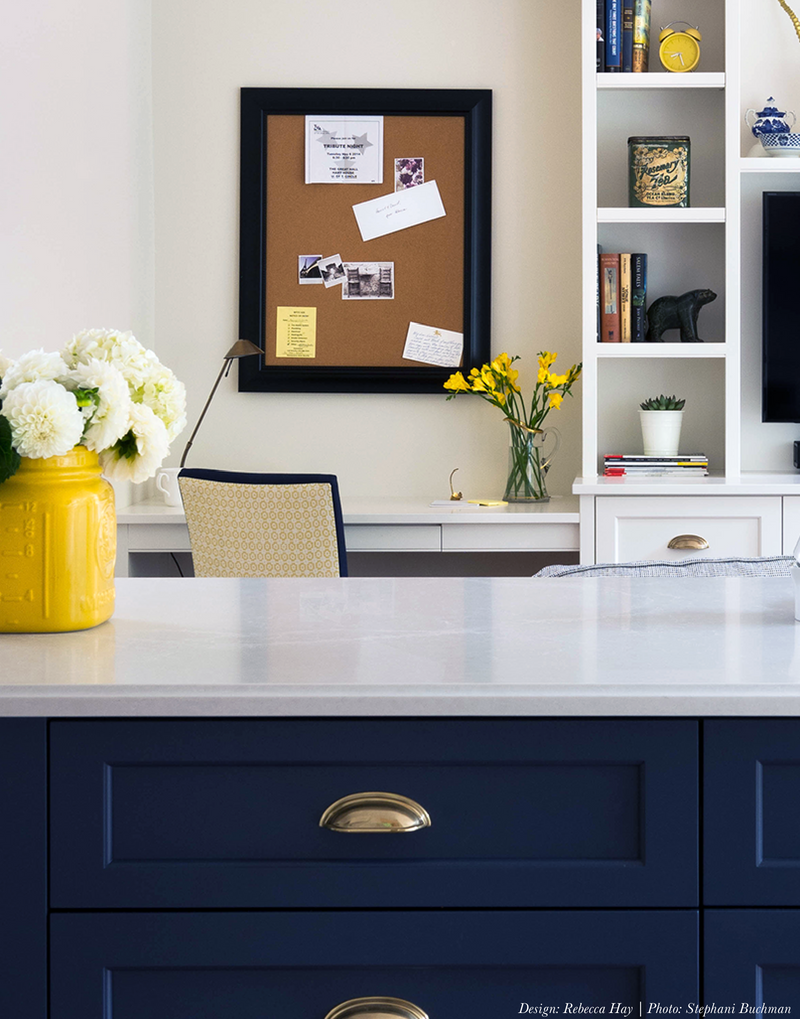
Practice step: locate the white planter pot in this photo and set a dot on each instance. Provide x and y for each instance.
(661, 431)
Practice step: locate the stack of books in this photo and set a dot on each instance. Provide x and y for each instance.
(634, 465)
(623, 35)
(622, 297)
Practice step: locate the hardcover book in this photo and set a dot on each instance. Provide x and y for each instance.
(638, 297)
(613, 35)
(609, 298)
(625, 298)
(601, 36)
(597, 291)
(641, 35)
(627, 35)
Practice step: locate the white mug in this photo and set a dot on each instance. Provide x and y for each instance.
(167, 484)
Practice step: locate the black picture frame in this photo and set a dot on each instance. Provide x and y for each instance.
(257, 104)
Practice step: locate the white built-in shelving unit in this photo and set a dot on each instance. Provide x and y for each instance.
(687, 249)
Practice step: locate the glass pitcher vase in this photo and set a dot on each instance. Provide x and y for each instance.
(528, 463)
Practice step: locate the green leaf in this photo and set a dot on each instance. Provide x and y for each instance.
(9, 457)
(126, 446)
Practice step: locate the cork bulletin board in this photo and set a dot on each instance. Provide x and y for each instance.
(352, 336)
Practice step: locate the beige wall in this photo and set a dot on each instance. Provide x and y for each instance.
(92, 267)
(76, 204)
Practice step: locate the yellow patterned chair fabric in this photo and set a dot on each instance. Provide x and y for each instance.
(263, 525)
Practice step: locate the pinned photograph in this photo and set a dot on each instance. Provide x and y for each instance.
(308, 269)
(368, 281)
(408, 173)
(331, 270)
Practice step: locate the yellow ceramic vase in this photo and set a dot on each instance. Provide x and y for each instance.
(58, 542)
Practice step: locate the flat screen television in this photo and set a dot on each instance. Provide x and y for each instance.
(781, 306)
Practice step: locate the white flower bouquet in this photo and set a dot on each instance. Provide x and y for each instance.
(105, 391)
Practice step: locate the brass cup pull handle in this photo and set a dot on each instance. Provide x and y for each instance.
(376, 1008)
(375, 812)
(692, 541)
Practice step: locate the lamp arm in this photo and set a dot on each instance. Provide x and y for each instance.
(225, 364)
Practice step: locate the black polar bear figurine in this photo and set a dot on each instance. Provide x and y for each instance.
(677, 313)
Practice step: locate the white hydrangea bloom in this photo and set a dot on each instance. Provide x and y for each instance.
(34, 366)
(108, 419)
(152, 445)
(45, 419)
(165, 396)
(122, 350)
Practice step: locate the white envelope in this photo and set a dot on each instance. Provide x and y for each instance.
(399, 210)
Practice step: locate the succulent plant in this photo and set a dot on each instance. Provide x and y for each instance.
(663, 403)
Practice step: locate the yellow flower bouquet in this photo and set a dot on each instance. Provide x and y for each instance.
(496, 383)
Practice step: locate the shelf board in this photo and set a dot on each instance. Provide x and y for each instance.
(626, 350)
(770, 164)
(657, 215)
(662, 79)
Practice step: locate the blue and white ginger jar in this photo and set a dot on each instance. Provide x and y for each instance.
(770, 120)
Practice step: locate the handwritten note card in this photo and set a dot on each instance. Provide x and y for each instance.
(433, 346)
(297, 332)
(398, 211)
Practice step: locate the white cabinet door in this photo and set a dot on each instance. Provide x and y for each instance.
(791, 522)
(642, 527)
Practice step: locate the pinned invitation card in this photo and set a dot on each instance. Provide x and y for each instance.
(344, 150)
(433, 346)
(399, 210)
(296, 333)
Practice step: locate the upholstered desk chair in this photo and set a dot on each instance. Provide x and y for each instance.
(263, 525)
(766, 566)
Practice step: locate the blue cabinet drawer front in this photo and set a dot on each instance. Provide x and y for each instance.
(220, 813)
(301, 965)
(752, 961)
(752, 812)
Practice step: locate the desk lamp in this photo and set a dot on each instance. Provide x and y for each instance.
(242, 348)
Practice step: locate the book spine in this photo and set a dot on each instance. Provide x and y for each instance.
(622, 472)
(609, 308)
(641, 35)
(638, 297)
(601, 36)
(627, 35)
(625, 298)
(613, 35)
(597, 290)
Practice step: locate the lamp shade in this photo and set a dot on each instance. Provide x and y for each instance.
(243, 348)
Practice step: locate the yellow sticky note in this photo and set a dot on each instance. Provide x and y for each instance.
(487, 502)
(296, 333)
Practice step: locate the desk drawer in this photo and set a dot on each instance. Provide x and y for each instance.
(752, 812)
(393, 538)
(301, 965)
(226, 813)
(158, 538)
(536, 537)
(641, 527)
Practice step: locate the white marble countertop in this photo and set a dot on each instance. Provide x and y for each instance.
(432, 646)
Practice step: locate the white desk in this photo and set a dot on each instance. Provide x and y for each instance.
(387, 525)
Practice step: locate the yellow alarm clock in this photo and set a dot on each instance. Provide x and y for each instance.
(679, 50)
